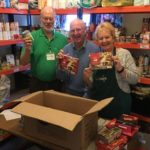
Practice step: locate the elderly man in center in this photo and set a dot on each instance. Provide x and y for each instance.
(79, 48)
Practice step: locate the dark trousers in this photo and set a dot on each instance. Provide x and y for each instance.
(38, 85)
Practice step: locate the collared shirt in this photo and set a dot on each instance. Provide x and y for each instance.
(41, 68)
(74, 84)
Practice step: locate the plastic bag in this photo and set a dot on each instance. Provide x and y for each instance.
(4, 89)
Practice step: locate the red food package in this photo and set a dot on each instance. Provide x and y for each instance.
(94, 60)
(107, 135)
(68, 63)
(111, 123)
(116, 144)
(129, 118)
(100, 60)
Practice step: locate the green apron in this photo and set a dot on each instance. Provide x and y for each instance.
(105, 85)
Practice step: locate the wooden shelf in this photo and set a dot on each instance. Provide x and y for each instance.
(144, 80)
(10, 42)
(125, 9)
(13, 11)
(132, 45)
(14, 70)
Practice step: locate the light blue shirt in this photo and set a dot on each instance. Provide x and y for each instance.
(74, 84)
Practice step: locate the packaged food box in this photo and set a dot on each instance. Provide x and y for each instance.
(108, 135)
(106, 3)
(117, 144)
(68, 63)
(128, 124)
(100, 60)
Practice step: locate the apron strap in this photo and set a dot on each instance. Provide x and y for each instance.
(114, 51)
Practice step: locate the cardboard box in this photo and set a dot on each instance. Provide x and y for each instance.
(62, 119)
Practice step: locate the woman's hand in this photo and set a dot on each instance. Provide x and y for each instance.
(119, 68)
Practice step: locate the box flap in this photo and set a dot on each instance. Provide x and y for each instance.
(99, 105)
(49, 115)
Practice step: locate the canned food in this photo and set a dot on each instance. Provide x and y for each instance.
(27, 33)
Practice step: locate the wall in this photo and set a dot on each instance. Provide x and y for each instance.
(133, 22)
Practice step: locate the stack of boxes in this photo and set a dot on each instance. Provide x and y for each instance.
(116, 133)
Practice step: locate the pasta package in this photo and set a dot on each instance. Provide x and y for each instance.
(106, 3)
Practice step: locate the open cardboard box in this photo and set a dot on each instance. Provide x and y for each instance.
(62, 119)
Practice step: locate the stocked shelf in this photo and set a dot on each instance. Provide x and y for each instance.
(13, 11)
(14, 70)
(97, 10)
(125, 9)
(68, 11)
(10, 42)
(144, 80)
(36, 11)
(133, 45)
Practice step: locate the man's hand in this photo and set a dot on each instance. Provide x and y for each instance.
(87, 75)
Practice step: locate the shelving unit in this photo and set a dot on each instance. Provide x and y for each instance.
(13, 11)
(144, 80)
(135, 46)
(14, 70)
(68, 11)
(10, 42)
(125, 9)
(97, 10)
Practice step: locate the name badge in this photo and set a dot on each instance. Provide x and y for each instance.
(50, 56)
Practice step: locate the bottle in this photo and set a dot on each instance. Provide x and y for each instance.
(141, 63)
(146, 2)
(145, 25)
(146, 63)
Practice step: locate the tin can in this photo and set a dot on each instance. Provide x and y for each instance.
(27, 33)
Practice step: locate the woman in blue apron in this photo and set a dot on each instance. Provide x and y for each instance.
(114, 81)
